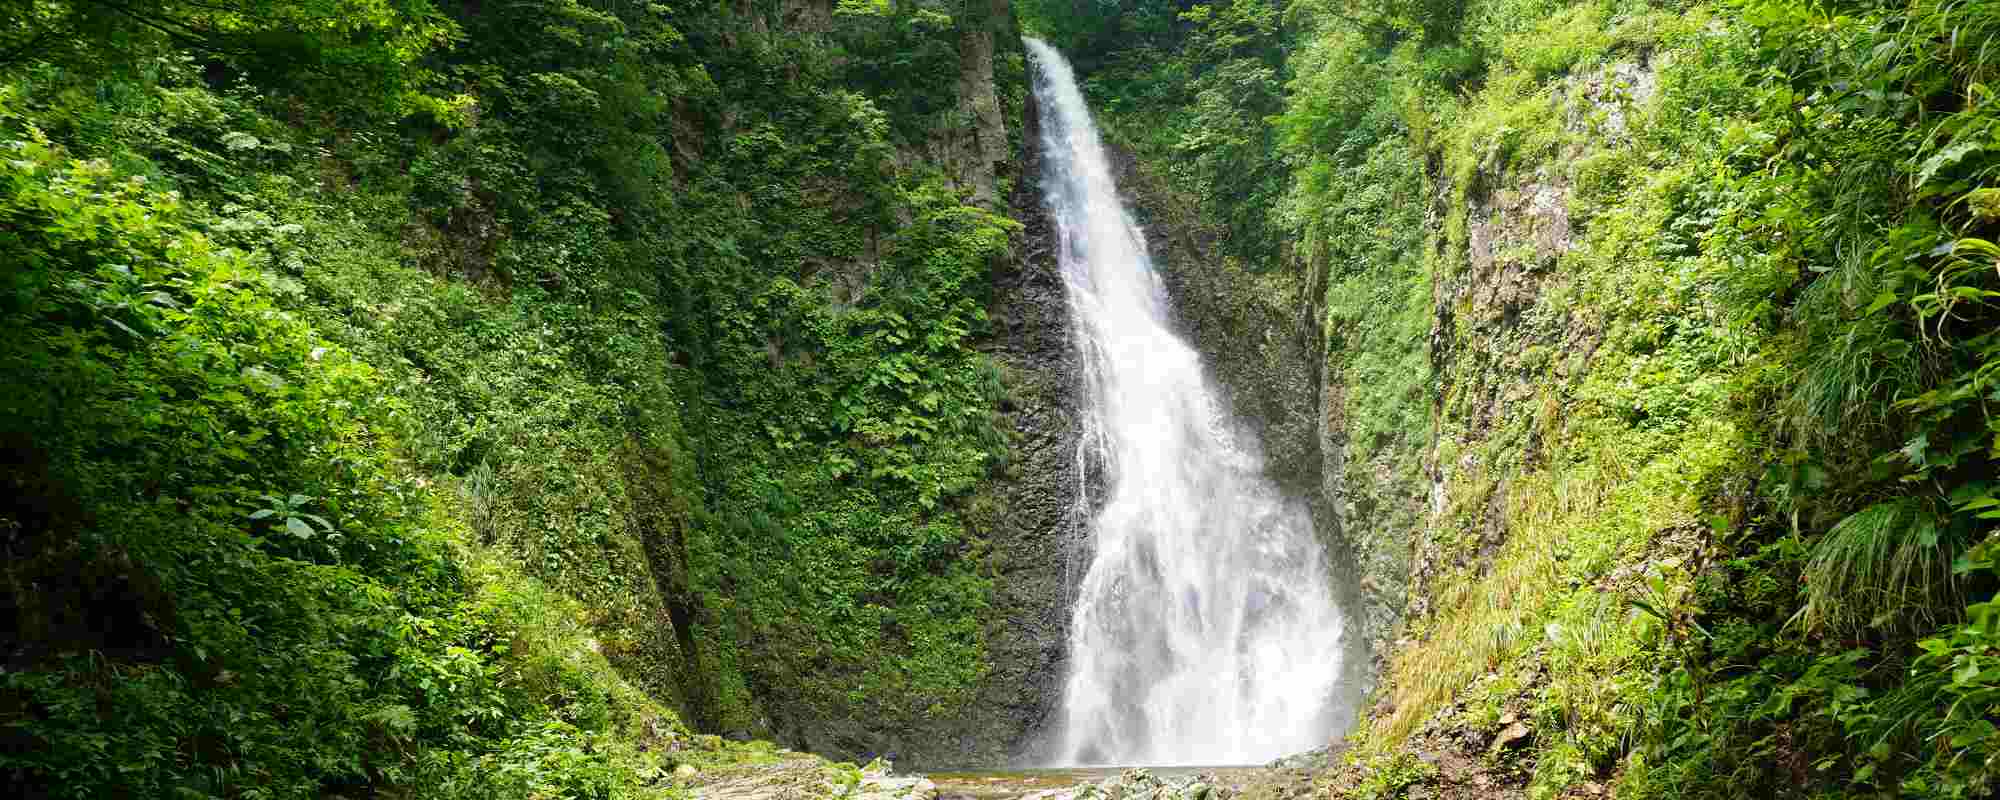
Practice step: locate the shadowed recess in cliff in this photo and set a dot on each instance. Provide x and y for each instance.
(1205, 628)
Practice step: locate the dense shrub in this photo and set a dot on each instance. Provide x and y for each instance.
(420, 401)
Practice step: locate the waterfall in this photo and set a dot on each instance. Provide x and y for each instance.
(1205, 630)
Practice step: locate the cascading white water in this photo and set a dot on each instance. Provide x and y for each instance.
(1205, 630)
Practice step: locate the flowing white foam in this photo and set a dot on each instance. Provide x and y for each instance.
(1205, 630)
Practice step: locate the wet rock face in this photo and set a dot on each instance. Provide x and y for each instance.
(1026, 515)
(1032, 525)
(1258, 330)
(984, 152)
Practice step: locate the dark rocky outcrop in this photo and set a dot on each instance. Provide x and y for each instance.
(1029, 516)
(1034, 528)
(1026, 515)
(984, 25)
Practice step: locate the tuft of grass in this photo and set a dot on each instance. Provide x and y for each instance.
(1847, 382)
(1887, 565)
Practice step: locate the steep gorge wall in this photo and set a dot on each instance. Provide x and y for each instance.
(1404, 402)
(1026, 515)
(1506, 351)
(725, 329)
(1550, 311)
(1037, 522)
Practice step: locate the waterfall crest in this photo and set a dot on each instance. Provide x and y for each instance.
(1205, 630)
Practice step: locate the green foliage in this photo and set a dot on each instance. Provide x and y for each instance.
(195, 630)
(897, 55)
(1845, 271)
(1090, 31)
(1956, 672)
(832, 308)
(361, 55)
(1223, 153)
(1391, 777)
(446, 397)
(1772, 306)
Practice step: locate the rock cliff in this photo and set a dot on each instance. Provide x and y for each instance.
(1025, 517)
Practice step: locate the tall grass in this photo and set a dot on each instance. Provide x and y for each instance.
(1849, 382)
(1886, 566)
(1480, 622)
